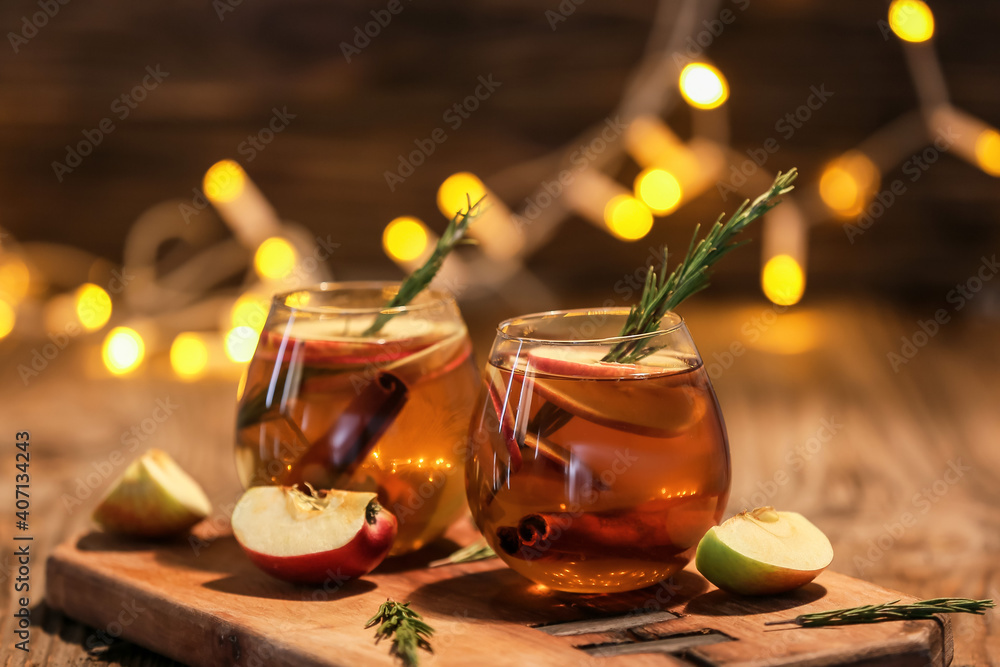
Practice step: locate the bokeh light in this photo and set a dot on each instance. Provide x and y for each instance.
(7, 318)
(703, 86)
(659, 190)
(123, 350)
(189, 354)
(224, 181)
(240, 344)
(14, 277)
(93, 306)
(783, 280)
(627, 217)
(405, 239)
(988, 151)
(275, 258)
(456, 191)
(250, 310)
(911, 20)
(848, 183)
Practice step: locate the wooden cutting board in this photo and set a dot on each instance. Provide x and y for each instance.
(210, 606)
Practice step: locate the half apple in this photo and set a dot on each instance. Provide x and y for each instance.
(313, 538)
(154, 497)
(762, 551)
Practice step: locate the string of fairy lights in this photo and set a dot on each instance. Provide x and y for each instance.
(181, 323)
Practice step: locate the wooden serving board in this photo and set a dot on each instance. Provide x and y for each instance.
(214, 608)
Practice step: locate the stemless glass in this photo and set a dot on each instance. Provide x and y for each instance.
(325, 402)
(590, 476)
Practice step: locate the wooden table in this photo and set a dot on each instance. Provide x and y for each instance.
(900, 468)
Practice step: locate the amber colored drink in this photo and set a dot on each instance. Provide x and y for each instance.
(324, 404)
(589, 476)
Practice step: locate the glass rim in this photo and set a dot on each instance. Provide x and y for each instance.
(677, 323)
(437, 297)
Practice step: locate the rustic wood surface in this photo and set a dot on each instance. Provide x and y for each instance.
(210, 606)
(899, 469)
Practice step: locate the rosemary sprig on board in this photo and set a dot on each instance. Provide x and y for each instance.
(453, 235)
(889, 611)
(662, 293)
(478, 550)
(406, 628)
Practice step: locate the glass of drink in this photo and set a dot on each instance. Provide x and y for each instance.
(328, 402)
(590, 476)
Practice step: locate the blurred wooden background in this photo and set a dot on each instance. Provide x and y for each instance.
(229, 69)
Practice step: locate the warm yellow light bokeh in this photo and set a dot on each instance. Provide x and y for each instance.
(189, 354)
(783, 280)
(911, 20)
(456, 192)
(224, 181)
(659, 190)
(123, 350)
(848, 183)
(250, 310)
(93, 306)
(988, 151)
(627, 217)
(14, 277)
(405, 239)
(7, 318)
(703, 86)
(275, 258)
(240, 344)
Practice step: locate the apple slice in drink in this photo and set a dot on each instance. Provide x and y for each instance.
(656, 398)
(339, 341)
(154, 497)
(311, 538)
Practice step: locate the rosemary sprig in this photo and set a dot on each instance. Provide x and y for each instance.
(663, 292)
(478, 550)
(453, 235)
(889, 611)
(406, 628)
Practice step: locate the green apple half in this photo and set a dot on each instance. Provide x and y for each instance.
(154, 497)
(761, 551)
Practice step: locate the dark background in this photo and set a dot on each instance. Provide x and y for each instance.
(353, 120)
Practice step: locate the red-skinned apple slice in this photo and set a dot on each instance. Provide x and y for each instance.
(309, 538)
(329, 343)
(576, 380)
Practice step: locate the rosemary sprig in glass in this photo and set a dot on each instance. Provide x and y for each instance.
(256, 408)
(889, 611)
(662, 292)
(453, 235)
(406, 628)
